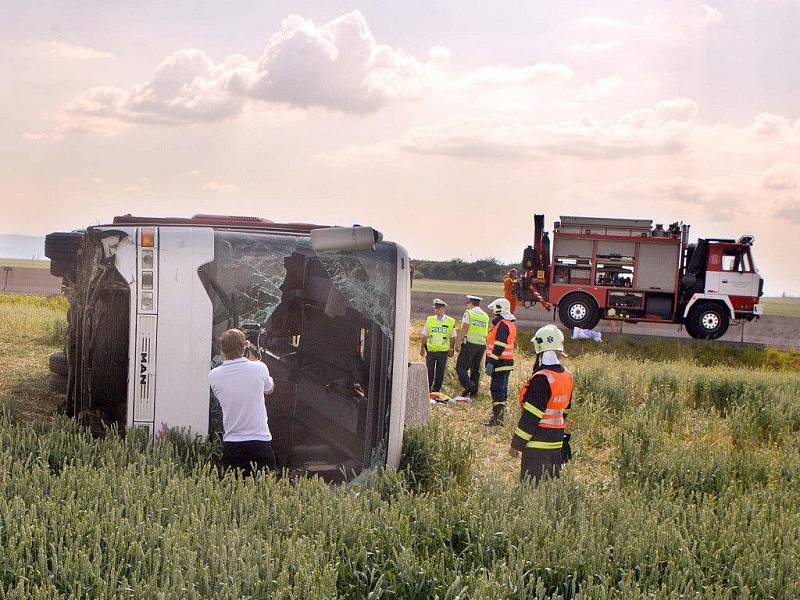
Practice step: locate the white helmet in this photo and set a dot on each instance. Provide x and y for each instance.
(547, 338)
(500, 306)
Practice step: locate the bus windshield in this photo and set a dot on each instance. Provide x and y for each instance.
(325, 324)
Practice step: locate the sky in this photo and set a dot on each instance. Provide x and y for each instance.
(446, 125)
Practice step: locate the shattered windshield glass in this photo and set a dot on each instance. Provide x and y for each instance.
(247, 273)
(325, 326)
(367, 281)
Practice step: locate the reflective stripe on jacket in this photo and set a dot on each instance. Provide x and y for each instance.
(439, 333)
(552, 418)
(500, 348)
(478, 326)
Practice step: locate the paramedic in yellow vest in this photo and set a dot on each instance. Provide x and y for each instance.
(500, 357)
(471, 346)
(545, 401)
(437, 343)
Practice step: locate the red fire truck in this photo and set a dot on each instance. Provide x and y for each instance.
(631, 270)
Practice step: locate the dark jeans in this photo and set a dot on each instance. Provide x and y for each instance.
(468, 366)
(240, 455)
(538, 463)
(499, 386)
(437, 366)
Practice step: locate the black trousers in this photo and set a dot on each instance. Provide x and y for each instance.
(468, 366)
(437, 367)
(241, 455)
(536, 464)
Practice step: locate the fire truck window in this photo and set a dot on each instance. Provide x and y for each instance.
(746, 268)
(736, 261)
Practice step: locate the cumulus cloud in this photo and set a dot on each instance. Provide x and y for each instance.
(495, 76)
(645, 132)
(71, 52)
(593, 47)
(781, 177)
(219, 187)
(771, 126)
(185, 87)
(41, 136)
(678, 109)
(338, 66)
(790, 211)
(710, 15)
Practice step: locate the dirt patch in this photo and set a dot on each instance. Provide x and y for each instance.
(29, 280)
(769, 330)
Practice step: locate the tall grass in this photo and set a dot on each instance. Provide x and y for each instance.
(110, 518)
(685, 483)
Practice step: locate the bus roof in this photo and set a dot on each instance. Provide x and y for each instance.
(217, 221)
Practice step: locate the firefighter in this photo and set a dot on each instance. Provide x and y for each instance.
(545, 401)
(500, 357)
(509, 281)
(437, 343)
(471, 346)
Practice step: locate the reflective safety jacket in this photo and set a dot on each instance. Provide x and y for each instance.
(545, 401)
(478, 326)
(500, 345)
(439, 333)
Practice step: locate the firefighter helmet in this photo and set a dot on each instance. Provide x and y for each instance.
(500, 306)
(547, 338)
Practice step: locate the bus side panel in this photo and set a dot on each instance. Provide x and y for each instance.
(400, 359)
(184, 330)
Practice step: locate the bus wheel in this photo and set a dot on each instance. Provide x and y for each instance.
(707, 321)
(579, 310)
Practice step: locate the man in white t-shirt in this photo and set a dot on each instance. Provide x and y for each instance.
(240, 385)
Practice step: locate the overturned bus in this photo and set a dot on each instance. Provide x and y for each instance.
(328, 307)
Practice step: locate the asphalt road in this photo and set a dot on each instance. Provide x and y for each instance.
(769, 330)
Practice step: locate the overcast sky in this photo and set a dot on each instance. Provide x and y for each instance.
(444, 124)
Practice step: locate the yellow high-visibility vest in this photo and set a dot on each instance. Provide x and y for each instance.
(478, 326)
(439, 333)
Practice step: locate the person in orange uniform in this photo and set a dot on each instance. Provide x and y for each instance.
(545, 401)
(500, 357)
(509, 279)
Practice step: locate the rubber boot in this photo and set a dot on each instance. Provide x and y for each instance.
(498, 410)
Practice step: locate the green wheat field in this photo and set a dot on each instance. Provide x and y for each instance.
(685, 484)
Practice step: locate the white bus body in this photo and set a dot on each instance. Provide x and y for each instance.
(149, 299)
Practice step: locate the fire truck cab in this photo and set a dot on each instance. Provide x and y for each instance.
(631, 270)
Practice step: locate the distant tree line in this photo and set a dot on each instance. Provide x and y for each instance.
(484, 269)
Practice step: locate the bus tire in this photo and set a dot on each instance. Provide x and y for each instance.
(62, 249)
(579, 310)
(707, 321)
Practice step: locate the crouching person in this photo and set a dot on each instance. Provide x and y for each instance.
(545, 401)
(240, 386)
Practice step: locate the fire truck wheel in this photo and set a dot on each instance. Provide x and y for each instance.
(579, 310)
(707, 321)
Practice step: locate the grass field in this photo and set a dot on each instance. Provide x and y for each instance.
(685, 484)
(485, 288)
(785, 307)
(24, 262)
